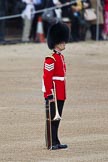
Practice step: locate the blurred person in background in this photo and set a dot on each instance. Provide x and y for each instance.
(56, 15)
(85, 24)
(55, 3)
(2, 22)
(27, 16)
(96, 4)
(73, 14)
(58, 11)
(39, 5)
(75, 18)
(65, 10)
(105, 30)
(66, 14)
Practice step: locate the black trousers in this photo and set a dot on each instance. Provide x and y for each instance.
(2, 30)
(75, 29)
(55, 123)
(93, 31)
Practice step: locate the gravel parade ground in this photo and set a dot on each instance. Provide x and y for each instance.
(84, 125)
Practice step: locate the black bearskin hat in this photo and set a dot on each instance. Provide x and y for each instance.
(57, 33)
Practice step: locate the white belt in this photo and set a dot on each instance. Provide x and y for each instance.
(58, 78)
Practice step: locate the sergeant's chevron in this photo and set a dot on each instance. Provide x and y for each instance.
(49, 67)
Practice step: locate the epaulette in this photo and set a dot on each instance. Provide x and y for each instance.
(50, 56)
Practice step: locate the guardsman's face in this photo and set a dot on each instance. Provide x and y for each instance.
(61, 46)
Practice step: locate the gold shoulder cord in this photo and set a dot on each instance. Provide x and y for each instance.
(50, 56)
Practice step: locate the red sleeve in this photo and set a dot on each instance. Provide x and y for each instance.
(47, 76)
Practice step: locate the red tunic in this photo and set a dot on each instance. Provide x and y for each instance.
(54, 70)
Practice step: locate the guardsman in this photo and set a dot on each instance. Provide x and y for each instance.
(54, 83)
